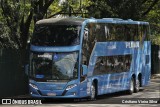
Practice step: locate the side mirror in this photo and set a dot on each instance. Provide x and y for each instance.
(84, 70)
(26, 69)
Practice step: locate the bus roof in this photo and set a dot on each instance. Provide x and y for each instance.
(62, 21)
(79, 21)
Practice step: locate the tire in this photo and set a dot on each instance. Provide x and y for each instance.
(131, 86)
(137, 86)
(93, 91)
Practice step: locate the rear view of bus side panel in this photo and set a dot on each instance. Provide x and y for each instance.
(146, 72)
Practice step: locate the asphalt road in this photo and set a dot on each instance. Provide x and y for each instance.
(144, 98)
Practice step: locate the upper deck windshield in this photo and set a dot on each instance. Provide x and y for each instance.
(56, 35)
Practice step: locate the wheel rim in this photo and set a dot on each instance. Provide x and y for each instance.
(137, 85)
(93, 92)
(132, 86)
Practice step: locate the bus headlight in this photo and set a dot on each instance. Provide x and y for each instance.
(33, 86)
(71, 86)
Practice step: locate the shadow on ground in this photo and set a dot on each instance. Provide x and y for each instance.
(86, 100)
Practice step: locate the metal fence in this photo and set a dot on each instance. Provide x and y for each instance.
(13, 80)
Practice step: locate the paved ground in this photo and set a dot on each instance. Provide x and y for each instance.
(155, 76)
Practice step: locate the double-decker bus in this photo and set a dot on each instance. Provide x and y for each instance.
(76, 57)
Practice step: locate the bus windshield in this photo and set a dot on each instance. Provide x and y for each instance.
(54, 66)
(56, 35)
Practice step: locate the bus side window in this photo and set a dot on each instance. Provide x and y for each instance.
(145, 33)
(85, 49)
(89, 40)
(100, 67)
(140, 33)
(136, 36)
(107, 34)
(100, 32)
(112, 32)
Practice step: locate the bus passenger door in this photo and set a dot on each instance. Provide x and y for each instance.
(83, 81)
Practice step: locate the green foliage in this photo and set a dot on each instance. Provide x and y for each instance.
(155, 39)
(17, 17)
(69, 7)
(146, 10)
(5, 39)
(12, 13)
(54, 8)
(154, 18)
(125, 9)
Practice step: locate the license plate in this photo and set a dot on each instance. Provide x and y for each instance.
(51, 94)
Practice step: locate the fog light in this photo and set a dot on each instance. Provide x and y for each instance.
(74, 93)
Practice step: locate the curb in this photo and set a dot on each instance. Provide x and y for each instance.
(155, 76)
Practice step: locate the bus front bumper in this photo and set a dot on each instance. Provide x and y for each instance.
(68, 96)
(71, 93)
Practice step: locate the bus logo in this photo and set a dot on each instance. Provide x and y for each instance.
(6, 101)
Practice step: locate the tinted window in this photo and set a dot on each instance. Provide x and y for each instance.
(102, 32)
(56, 35)
(112, 64)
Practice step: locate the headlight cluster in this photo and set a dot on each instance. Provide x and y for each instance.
(71, 86)
(33, 86)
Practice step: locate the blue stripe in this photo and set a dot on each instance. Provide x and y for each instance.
(55, 49)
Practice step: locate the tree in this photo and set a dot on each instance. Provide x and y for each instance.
(146, 10)
(154, 18)
(18, 15)
(18, 18)
(69, 8)
(126, 9)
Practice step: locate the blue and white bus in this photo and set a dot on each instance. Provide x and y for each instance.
(76, 57)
